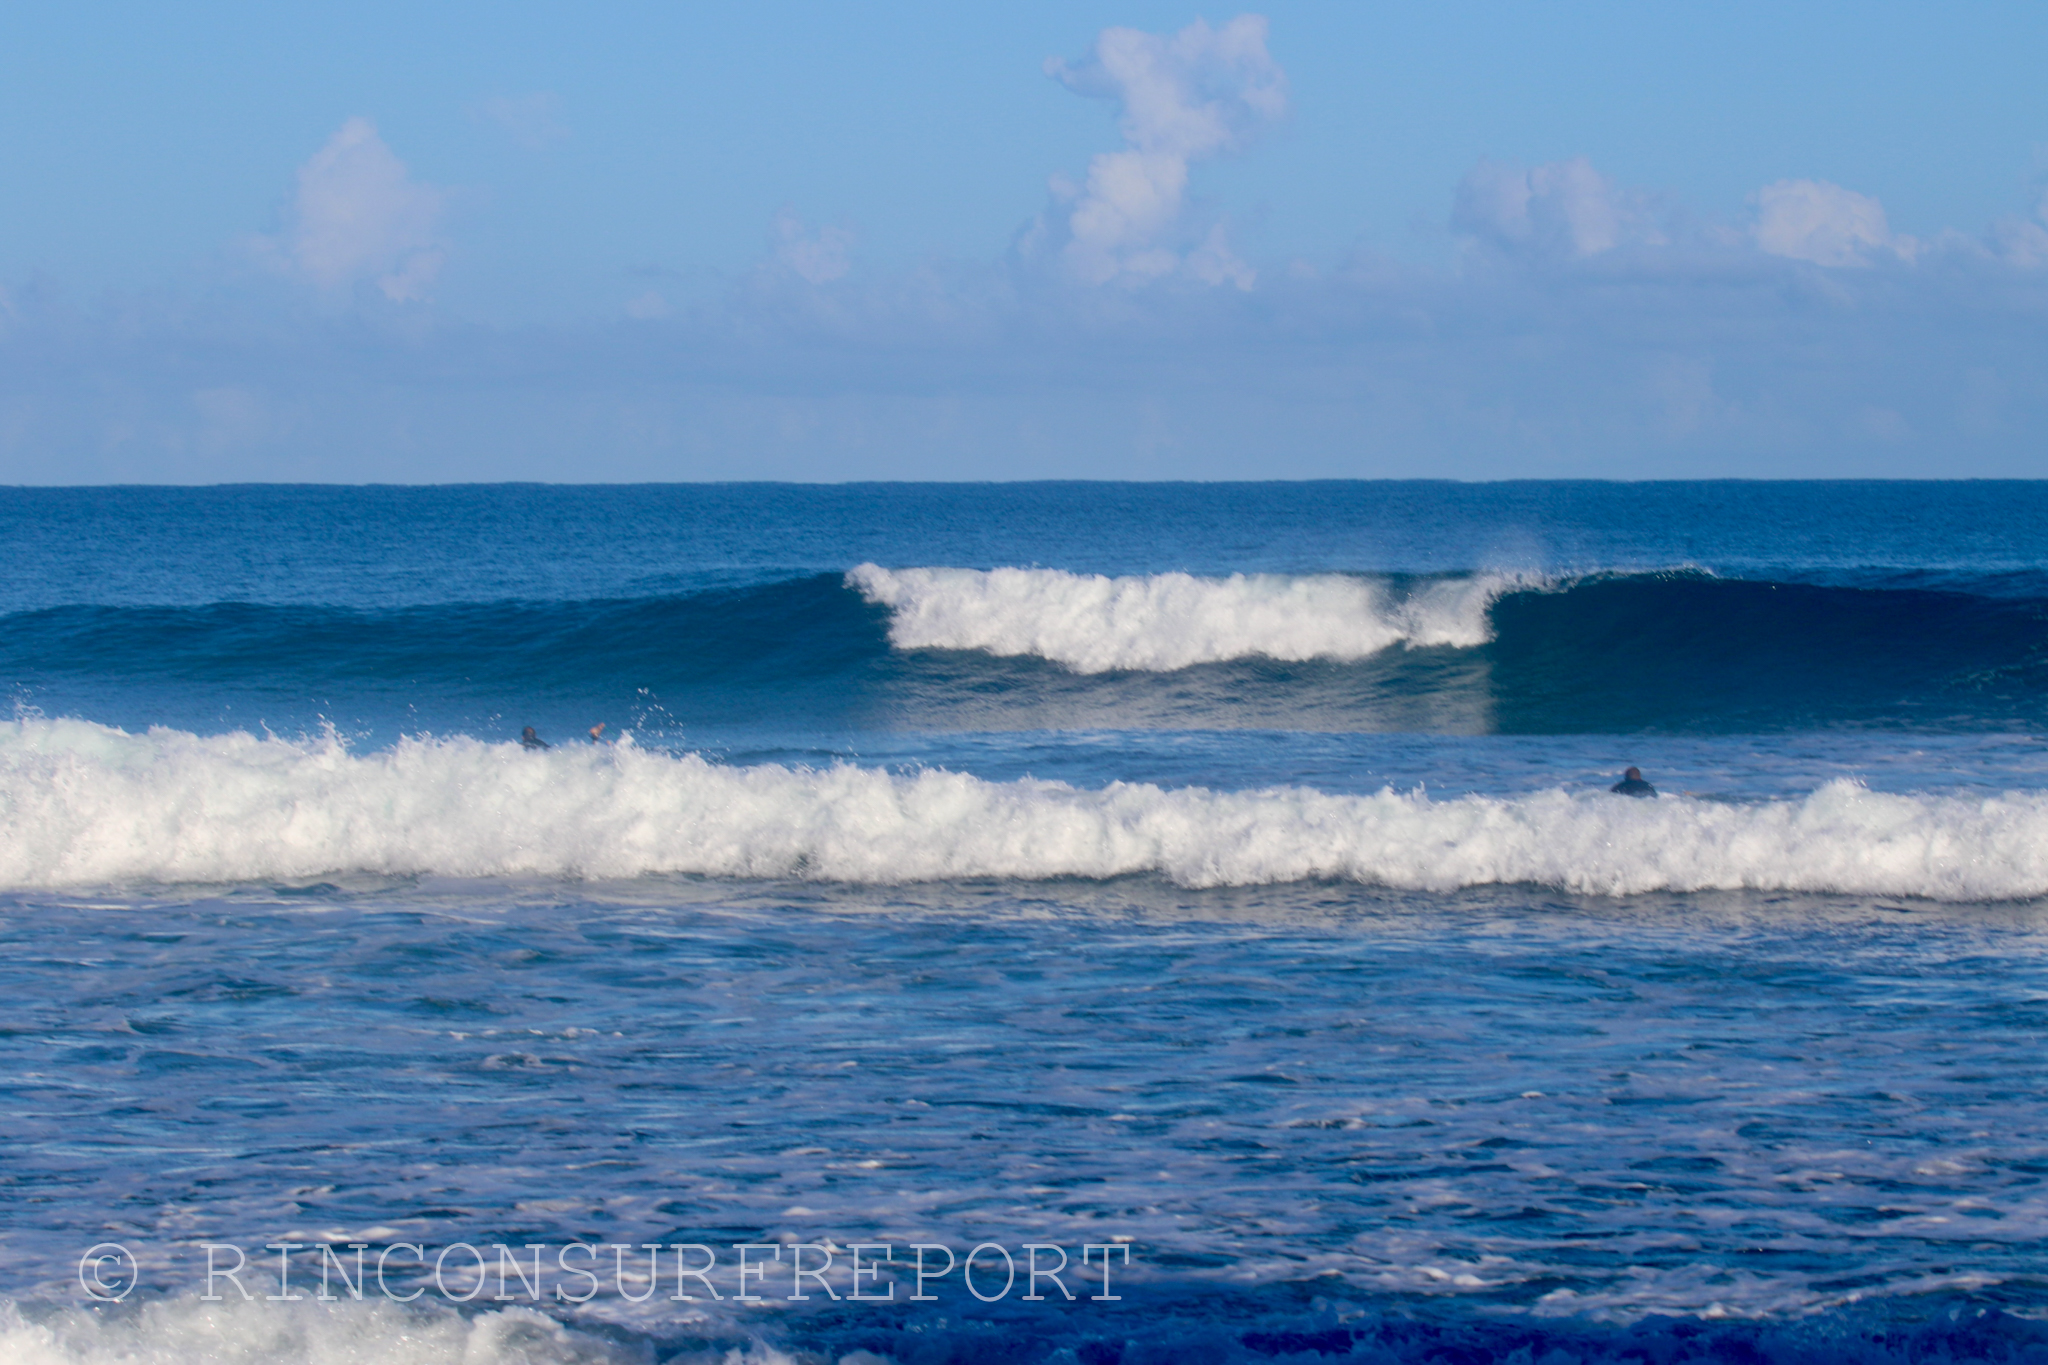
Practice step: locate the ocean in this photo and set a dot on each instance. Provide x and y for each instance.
(1195, 916)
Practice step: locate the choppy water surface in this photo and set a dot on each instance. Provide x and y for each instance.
(1739, 1105)
(1224, 874)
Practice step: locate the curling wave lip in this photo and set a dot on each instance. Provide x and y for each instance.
(1161, 622)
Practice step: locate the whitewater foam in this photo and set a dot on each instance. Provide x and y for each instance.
(176, 1331)
(83, 804)
(1161, 622)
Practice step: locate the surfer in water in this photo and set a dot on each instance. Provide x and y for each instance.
(529, 740)
(1632, 784)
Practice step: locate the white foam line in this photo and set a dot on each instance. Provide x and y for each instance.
(84, 805)
(1161, 622)
(186, 1329)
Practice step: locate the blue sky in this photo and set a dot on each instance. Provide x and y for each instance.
(805, 241)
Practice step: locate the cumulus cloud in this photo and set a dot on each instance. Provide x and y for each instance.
(1691, 348)
(1197, 93)
(1561, 208)
(815, 257)
(1701, 366)
(2023, 241)
(1568, 210)
(1813, 220)
(358, 216)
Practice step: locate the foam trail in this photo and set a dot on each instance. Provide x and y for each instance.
(1160, 622)
(82, 804)
(178, 1331)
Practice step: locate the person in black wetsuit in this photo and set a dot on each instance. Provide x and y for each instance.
(529, 740)
(1632, 784)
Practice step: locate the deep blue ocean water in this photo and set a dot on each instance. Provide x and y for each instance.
(1223, 875)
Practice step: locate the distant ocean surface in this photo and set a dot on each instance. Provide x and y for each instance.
(1221, 877)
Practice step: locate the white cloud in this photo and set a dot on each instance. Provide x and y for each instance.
(1813, 220)
(1196, 94)
(2023, 241)
(1213, 263)
(819, 257)
(1560, 208)
(359, 216)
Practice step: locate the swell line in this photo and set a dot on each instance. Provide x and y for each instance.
(1026, 648)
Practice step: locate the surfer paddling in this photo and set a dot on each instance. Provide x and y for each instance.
(529, 740)
(1632, 784)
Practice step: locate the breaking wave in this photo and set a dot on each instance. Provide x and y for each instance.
(186, 1329)
(1027, 648)
(1161, 622)
(82, 804)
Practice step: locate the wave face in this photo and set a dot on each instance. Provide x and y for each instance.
(1686, 651)
(81, 804)
(1160, 622)
(1041, 649)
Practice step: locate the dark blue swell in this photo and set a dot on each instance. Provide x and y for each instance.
(1672, 653)
(1688, 652)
